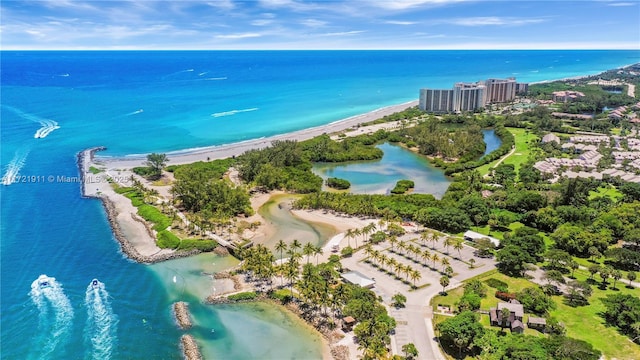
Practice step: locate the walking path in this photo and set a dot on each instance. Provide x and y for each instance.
(513, 150)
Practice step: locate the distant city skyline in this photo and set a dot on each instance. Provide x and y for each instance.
(335, 24)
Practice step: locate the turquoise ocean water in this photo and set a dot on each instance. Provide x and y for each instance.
(55, 104)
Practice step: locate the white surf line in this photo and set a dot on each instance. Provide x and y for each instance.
(101, 326)
(55, 314)
(233, 112)
(13, 168)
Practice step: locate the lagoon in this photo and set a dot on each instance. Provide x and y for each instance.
(380, 176)
(492, 140)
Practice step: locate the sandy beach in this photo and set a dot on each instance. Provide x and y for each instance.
(235, 149)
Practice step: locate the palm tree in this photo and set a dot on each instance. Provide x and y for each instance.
(457, 245)
(448, 241)
(445, 262)
(392, 264)
(307, 250)
(402, 246)
(407, 270)
(356, 233)
(393, 241)
(426, 255)
(435, 258)
(472, 263)
(384, 261)
(317, 250)
(415, 275)
(444, 281)
(349, 234)
(425, 236)
(375, 256)
(295, 245)
(291, 273)
(281, 246)
(434, 241)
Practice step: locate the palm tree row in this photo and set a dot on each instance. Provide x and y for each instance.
(426, 256)
(365, 232)
(390, 264)
(449, 241)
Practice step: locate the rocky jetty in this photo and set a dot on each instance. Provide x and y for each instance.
(85, 159)
(181, 312)
(190, 349)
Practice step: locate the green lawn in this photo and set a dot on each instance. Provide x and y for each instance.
(582, 323)
(522, 138)
(607, 190)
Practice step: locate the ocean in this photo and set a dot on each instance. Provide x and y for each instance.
(54, 104)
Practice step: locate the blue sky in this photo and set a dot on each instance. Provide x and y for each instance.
(335, 24)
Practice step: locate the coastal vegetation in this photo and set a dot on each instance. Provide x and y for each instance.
(402, 186)
(339, 184)
(154, 165)
(324, 299)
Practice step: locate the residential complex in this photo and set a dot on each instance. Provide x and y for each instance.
(470, 96)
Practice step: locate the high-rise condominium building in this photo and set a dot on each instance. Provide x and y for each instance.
(438, 101)
(470, 96)
(500, 90)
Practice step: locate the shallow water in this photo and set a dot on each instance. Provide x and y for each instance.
(288, 227)
(380, 176)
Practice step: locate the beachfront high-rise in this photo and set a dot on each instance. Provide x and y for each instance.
(470, 96)
(440, 101)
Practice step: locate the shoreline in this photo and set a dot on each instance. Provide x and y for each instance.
(187, 156)
(102, 193)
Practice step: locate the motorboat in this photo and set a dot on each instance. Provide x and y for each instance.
(94, 283)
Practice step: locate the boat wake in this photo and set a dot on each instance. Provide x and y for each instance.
(48, 126)
(216, 78)
(100, 331)
(55, 315)
(13, 169)
(233, 112)
(135, 112)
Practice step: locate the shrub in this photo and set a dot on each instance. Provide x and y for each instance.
(154, 215)
(243, 296)
(346, 252)
(143, 171)
(94, 170)
(402, 186)
(336, 183)
(283, 295)
(497, 284)
(167, 240)
(505, 296)
(203, 245)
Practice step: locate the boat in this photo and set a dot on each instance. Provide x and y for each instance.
(43, 282)
(94, 283)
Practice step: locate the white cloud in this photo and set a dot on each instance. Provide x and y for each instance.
(313, 23)
(407, 4)
(239, 36)
(344, 33)
(491, 21)
(398, 22)
(262, 22)
(222, 4)
(622, 4)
